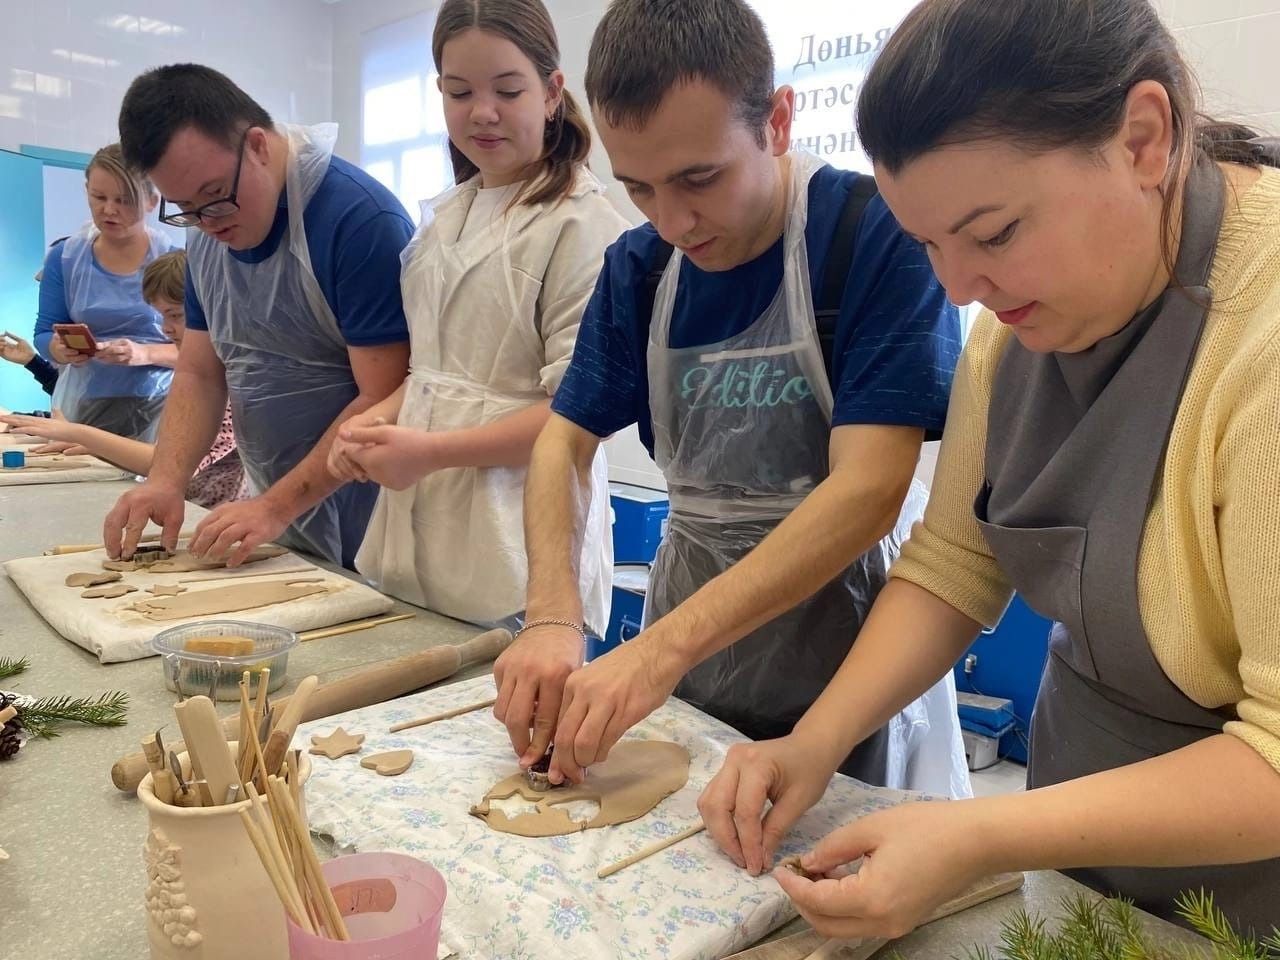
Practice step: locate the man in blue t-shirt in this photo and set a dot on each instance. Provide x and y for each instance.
(787, 473)
(293, 314)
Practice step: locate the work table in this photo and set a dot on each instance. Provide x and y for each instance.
(73, 886)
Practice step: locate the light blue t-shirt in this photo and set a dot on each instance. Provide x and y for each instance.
(76, 288)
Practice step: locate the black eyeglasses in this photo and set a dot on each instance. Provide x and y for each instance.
(214, 209)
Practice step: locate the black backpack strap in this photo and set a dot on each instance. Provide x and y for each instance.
(826, 306)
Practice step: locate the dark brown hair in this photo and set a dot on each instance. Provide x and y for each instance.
(136, 188)
(1044, 74)
(163, 101)
(527, 24)
(165, 278)
(643, 48)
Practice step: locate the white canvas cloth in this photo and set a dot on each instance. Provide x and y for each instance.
(511, 896)
(114, 633)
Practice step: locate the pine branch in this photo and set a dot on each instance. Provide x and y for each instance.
(11, 668)
(108, 710)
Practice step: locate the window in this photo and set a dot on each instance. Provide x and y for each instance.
(824, 53)
(403, 143)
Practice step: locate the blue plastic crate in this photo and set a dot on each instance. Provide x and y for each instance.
(639, 522)
(627, 614)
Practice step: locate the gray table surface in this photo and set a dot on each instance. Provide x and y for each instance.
(73, 886)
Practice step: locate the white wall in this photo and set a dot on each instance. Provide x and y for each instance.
(65, 64)
(1233, 45)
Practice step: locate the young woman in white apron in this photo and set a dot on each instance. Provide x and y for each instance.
(494, 286)
(1111, 452)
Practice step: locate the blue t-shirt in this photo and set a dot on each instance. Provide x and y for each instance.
(355, 230)
(897, 339)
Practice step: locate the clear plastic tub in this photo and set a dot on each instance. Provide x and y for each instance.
(391, 905)
(191, 673)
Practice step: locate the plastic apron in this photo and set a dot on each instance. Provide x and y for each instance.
(1075, 448)
(122, 400)
(742, 432)
(288, 372)
(454, 542)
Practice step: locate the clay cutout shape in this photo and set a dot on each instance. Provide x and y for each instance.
(792, 863)
(109, 592)
(240, 596)
(337, 744)
(165, 589)
(638, 775)
(390, 764)
(93, 579)
(160, 561)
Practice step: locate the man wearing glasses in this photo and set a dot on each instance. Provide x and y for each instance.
(293, 310)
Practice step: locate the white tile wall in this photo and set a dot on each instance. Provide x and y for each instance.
(65, 64)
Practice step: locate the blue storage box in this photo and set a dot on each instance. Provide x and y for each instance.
(639, 522)
(1010, 660)
(630, 580)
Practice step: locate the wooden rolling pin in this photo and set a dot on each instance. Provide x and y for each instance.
(385, 681)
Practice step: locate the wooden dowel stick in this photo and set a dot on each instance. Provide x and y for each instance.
(423, 721)
(273, 872)
(270, 825)
(213, 575)
(353, 627)
(280, 794)
(651, 850)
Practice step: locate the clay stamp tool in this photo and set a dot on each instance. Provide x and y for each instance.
(651, 850)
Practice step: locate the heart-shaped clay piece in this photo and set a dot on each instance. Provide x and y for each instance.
(389, 764)
(337, 744)
(93, 579)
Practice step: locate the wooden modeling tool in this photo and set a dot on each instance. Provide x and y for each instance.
(244, 575)
(207, 747)
(290, 717)
(383, 681)
(649, 851)
(448, 714)
(353, 627)
(161, 778)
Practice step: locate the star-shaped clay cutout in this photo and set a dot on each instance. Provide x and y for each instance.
(337, 744)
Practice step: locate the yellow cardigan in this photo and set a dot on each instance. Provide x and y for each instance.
(1209, 566)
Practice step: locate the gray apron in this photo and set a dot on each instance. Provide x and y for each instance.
(1075, 448)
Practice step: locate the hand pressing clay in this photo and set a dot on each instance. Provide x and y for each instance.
(390, 764)
(93, 579)
(160, 561)
(109, 592)
(337, 744)
(638, 775)
(229, 599)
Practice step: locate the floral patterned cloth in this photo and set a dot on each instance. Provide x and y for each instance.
(220, 476)
(512, 898)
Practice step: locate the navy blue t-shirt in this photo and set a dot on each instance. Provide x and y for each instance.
(355, 229)
(897, 339)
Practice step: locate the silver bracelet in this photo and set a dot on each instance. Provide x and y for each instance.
(553, 622)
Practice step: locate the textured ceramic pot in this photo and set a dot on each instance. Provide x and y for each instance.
(208, 896)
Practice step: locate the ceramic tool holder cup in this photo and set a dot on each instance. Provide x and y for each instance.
(208, 896)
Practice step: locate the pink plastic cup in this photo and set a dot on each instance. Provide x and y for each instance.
(390, 903)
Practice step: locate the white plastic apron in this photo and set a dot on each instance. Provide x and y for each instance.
(454, 543)
(742, 431)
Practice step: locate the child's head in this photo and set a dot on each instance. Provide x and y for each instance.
(508, 114)
(164, 284)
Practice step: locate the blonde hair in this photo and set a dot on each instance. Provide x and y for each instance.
(110, 159)
(165, 278)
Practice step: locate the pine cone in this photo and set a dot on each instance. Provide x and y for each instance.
(10, 733)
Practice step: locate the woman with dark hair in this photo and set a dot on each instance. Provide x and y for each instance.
(1111, 452)
(494, 286)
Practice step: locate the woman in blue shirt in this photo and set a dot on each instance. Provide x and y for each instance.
(95, 278)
